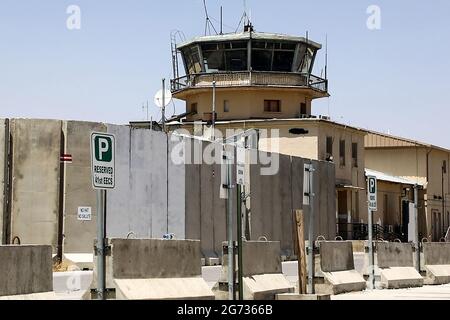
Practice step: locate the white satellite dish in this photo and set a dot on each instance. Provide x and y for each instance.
(159, 98)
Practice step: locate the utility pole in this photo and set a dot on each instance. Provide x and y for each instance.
(229, 162)
(416, 226)
(214, 112)
(371, 253)
(164, 105)
(310, 171)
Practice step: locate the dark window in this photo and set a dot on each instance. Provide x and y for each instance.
(303, 110)
(227, 56)
(226, 106)
(272, 56)
(194, 107)
(272, 106)
(444, 167)
(342, 153)
(329, 152)
(298, 131)
(355, 155)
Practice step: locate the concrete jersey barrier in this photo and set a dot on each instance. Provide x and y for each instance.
(153, 269)
(25, 270)
(396, 263)
(262, 271)
(437, 262)
(338, 268)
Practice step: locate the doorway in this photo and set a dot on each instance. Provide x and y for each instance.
(436, 225)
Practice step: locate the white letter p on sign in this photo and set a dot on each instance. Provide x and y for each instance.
(103, 147)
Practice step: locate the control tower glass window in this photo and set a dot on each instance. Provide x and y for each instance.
(272, 56)
(192, 59)
(227, 56)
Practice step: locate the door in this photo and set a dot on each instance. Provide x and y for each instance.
(344, 227)
(405, 219)
(436, 225)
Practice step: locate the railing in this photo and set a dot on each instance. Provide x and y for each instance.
(249, 78)
(360, 231)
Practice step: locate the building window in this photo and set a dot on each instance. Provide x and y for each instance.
(329, 151)
(303, 110)
(342, 153)
(272, 105)
(355, 155)
(194, 107)
(226, 106)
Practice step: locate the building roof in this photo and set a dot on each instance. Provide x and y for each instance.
(285, 121)
(376, 139)
(248, 36)
(386, 177)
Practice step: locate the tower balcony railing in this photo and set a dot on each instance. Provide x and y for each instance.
(249, 78)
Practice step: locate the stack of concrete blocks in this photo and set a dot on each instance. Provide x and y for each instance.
(396, 264)
(26, 273)
(153, 269)
(338, 269)
(263, 278)
(436, 260)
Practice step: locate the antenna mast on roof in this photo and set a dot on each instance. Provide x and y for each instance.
(245, 20)
(208, 23)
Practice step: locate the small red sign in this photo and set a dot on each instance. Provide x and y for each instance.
(66, 158)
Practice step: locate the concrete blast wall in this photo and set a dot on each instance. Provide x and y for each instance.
(35, 180)
(78, 192)
(149, 196)
(2, 177)
(336, 256)
(436, 253)
(392, 254)
(25, 270)
(144, 259)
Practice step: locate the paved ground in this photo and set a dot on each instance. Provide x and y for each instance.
(72, 285)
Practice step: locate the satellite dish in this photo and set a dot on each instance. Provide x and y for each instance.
(159, 98)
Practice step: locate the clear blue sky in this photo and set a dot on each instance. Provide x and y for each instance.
(392, 80)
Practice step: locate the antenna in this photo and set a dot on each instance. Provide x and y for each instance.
(221, 20)
(208, 23)
(174, 48)
(326, 57)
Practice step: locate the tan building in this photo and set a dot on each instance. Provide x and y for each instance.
(420, 163)
(265, 81)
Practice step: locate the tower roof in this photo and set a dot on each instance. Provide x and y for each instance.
(248, 36)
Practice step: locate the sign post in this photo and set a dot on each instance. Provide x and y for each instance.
(372, 207)
(308, 200)
(103, 171)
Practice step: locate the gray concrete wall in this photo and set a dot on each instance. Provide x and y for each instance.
(436, 253)
(145, 201)
(393, 254)
(25, 270)
(35, 184)
(259, 257)
(2, 176)
(150, 258)
(78, 191)
(336, 256)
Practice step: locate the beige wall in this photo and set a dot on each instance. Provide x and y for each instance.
(422, 165)
(247, 103)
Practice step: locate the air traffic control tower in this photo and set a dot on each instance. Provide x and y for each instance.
(257, 76)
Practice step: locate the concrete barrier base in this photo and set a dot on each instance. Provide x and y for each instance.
(258, 287)
(437, 274)
(305, 297)
(84, 261)
(341, 282)
(163, 289)
(266, 286)
(33, 296)
(400, 277)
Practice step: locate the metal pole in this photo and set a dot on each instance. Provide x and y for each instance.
(230, 229)
(100, 245)
(311, 232)
(214, 111)
(416, 226)
(239, 237)
(371, 253)
(164, 105)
